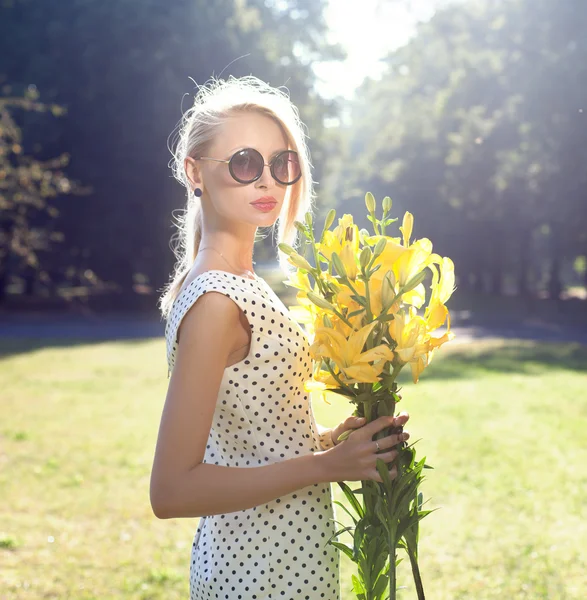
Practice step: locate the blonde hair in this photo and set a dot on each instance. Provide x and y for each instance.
(213, 103)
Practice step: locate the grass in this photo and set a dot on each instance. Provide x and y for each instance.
(503, 424)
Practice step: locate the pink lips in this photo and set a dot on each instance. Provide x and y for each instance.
(265, 204)
(265, 200)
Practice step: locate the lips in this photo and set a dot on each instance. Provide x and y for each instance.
(265, 200)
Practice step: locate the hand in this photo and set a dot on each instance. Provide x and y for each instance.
(349, 423)
(355, 458)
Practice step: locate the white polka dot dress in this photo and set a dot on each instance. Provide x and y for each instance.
(263, 415)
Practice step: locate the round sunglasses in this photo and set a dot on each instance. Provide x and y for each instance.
(247, 165)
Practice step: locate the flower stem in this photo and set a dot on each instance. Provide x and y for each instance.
(392, 573)
(416, 574)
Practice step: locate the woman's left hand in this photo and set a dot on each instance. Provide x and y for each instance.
(349, 423)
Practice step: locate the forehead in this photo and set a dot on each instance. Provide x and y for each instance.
(250, 129)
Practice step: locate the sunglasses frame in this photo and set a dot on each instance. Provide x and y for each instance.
(270, 165)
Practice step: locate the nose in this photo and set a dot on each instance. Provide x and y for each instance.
(266, 179)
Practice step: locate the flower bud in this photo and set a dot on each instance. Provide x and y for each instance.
(365, 257)
(338, 265)
(320, 302)
(414, 282)
(300, 261)
(329, 218)
(300, 227)
(370, 202)
(379, 246)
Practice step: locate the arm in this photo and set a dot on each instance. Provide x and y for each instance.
(181, 484)
(213, 489)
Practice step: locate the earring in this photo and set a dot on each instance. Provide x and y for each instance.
(197, 192)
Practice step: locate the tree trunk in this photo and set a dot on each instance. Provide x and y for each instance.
(524, 264)
(554, 281)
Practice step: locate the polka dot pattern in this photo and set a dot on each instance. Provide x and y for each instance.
(263, 415)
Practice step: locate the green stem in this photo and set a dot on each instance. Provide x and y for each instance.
(392, 573)
(340, 382)
(341, 316)
(416, 574)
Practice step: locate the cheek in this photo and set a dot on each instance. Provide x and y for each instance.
(220, 184)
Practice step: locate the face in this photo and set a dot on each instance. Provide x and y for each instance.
(228, 198)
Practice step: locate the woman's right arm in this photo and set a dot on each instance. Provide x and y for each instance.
(181, 484)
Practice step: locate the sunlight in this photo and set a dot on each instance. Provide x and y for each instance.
(367, 34)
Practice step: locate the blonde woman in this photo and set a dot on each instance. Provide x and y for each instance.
(238, 445)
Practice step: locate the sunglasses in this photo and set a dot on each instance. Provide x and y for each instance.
(247, 165)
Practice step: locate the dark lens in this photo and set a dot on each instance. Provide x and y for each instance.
(286, 167)
(246, 165)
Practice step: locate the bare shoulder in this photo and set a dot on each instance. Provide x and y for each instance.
(212, 314)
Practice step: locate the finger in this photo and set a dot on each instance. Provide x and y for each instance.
(355, 422)
(388, 456)
(378, 424)
(393, 440)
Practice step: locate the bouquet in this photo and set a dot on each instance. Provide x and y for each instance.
(367, 317)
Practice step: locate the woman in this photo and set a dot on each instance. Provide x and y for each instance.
(238, 445)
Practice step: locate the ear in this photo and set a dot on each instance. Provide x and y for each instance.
(192, 171)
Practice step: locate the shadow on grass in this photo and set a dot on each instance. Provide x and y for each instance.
(501, 356)
(13, 346)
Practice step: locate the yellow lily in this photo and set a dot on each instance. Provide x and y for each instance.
(443, 280)
(299, 280)
(415, 345)
(345, 233)
(322, 382)
(354, 364)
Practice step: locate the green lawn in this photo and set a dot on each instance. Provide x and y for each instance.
(504, 425)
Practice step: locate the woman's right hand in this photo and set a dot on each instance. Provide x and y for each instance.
(355, 458)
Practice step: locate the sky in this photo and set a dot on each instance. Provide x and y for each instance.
(368, 30)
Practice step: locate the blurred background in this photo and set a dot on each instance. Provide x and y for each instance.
(470, 114)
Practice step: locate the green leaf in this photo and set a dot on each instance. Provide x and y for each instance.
(341, 531)
(381, 586)
(380, 562)
(358, 537)
(358, 587)
(384, 474)
(385, 317)
(359, 300)
(370, 554)
(351, 498)
(380, 511)
(344, 548)
(346, 510)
